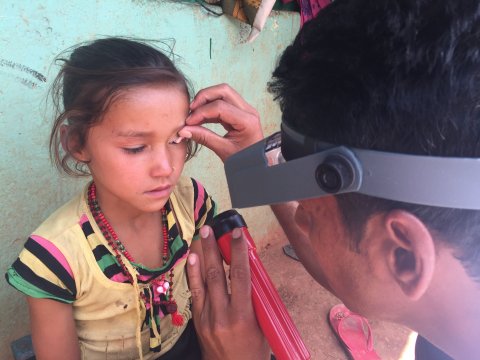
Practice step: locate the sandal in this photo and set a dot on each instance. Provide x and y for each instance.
(290, 252)
(353, 332)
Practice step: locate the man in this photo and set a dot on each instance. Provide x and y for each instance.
(388, 93)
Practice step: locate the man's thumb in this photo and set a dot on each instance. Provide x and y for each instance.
(205, 137)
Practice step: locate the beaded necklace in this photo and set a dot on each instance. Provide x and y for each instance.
(160, 284)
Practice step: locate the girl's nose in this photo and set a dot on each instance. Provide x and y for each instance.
(161, 164)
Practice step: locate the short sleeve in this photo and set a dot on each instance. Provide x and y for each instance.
(204, 207)
(41, 271)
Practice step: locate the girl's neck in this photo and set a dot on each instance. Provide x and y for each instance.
(141, 235)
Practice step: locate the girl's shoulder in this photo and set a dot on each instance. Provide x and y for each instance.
(50, 258)
(192, 205)
(186, 183)
(64, 219)
(190, 191)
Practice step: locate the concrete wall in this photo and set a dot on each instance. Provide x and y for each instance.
(32, 33)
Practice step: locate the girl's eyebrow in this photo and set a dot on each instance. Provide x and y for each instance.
(140, 134)
(131, 133)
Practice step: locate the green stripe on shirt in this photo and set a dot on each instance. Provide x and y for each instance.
(28, 288)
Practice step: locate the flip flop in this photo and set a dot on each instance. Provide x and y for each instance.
(353, 332)
(290, 251)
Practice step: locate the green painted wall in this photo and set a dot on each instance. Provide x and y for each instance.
(32, 33)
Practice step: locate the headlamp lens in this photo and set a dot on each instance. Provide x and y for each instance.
(335, 174)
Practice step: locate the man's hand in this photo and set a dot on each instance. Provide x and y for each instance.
(223, 105)
(225, 323)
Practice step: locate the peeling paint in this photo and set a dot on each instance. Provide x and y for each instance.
(275, 24)
(24, 81)
(23, 68)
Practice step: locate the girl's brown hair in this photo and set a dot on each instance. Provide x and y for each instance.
(91, 79)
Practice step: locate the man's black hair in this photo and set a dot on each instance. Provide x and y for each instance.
(394, 75)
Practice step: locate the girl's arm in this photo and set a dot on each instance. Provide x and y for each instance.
(54, 335)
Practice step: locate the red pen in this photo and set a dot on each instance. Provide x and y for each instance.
(272, 315)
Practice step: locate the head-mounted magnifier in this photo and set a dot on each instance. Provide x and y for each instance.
(289, 166)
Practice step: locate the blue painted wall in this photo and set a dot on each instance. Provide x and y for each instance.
(32, 33)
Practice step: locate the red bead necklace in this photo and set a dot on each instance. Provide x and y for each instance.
(160, 285)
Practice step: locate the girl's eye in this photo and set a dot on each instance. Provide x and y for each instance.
(177, 140)
(134, 150)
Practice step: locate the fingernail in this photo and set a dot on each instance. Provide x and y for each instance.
(204, 231)
(236, 233)
(179, 139)
(192, 259)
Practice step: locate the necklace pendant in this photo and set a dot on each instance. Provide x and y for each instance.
(162, 287)
(171, 307)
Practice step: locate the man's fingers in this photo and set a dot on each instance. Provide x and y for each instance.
(214, 272)
(196, 284)
(218, 144)
(240, 273)
(221, 92)
(221, 112)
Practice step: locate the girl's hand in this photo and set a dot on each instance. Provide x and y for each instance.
(226, 324)
(223, 105)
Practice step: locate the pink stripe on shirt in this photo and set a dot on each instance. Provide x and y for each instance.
(53, 250)
(83, 219)
(182, 258)
(120, 277)
(200, 199)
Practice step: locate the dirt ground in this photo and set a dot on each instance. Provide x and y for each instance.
(309, 304)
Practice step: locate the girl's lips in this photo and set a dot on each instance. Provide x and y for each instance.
(159, 191)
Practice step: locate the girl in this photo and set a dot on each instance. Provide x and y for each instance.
(105, 274)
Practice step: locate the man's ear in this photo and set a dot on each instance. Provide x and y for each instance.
(71, 144)
(411, 252)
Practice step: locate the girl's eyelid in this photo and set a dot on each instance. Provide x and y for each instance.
(134, 150)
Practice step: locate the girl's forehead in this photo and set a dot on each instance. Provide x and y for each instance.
(168, 99)
(147, 108)
(154, 88)
(131, 94)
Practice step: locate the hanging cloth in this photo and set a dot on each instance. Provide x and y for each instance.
(252, 12)
(309, 8)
